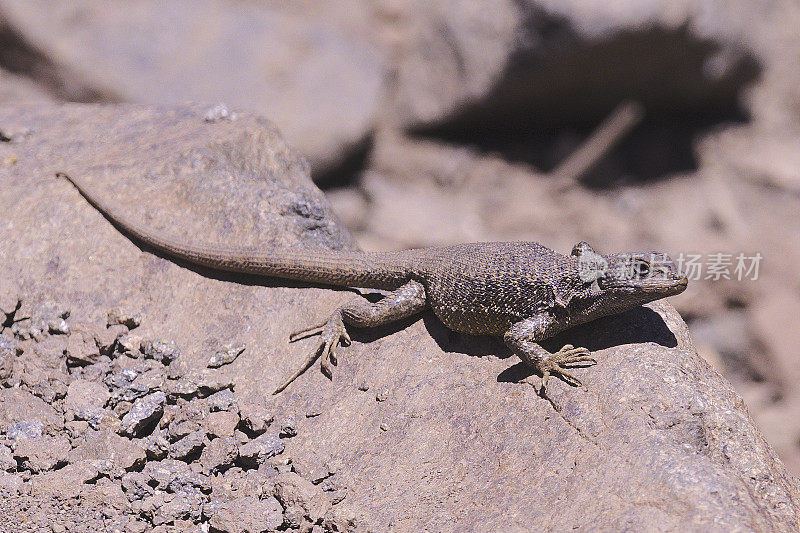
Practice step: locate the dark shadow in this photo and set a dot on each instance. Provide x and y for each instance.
(556, 91)
(453, 341)
(635, 326)
(347, 172)
(367, 335)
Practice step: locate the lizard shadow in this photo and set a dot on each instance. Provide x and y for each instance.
(638, 325)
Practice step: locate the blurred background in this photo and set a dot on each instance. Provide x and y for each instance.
(667, 125)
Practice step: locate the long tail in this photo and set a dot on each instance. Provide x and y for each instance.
(358, 269)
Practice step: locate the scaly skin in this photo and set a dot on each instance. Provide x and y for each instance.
(521, 291)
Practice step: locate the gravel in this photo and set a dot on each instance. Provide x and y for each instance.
(100, 414)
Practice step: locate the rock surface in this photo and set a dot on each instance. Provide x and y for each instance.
(312, 68)
(454, 443)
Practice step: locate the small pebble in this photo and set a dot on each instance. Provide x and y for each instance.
(218, 112)
(25, 429)
(225, 356)
(223, 400)
(289, 427)
(164, 352)
(118, 316)
(144, 412)
(58, 326)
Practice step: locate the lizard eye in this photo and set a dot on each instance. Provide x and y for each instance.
(641, 269)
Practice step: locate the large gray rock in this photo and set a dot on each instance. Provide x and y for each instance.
(312, 69)
(455, 443)
(325, 72)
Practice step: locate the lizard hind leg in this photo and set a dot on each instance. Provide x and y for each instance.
(408, 300)
(332, 332)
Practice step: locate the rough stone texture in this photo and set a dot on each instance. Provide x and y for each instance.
(16, 405)
(82, 393)
(166, 352)
(25, 429)
(225, 356)
(65, 482)
(258, 450)
(188, 446)
(7, 461)
(11, 484)
(654, 424)
(143, 414)
(220, 454)
(135, 486)
(247, 515)
(294, 491)
(119, 316)
(123, 453)
(221, 423)
(741, 326)
(82, 349)
(41, 454)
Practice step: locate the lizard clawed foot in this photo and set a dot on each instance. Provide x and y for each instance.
(559, 362)
(332, 332)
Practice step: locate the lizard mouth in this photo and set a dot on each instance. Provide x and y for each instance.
(654, 285)
(672, 287)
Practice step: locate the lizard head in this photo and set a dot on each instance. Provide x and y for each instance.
(631, 278)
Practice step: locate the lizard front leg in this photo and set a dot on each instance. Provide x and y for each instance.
(408, 300)
(523, 338)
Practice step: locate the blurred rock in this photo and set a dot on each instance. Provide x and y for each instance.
(16, 89)
(312, 68)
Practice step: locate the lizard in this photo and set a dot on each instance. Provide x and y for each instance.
(520, 291)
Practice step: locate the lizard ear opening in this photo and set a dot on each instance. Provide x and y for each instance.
(581, 248)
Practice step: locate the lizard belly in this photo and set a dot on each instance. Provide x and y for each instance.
(473, 321)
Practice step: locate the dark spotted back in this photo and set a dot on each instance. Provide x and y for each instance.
(482, 288)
